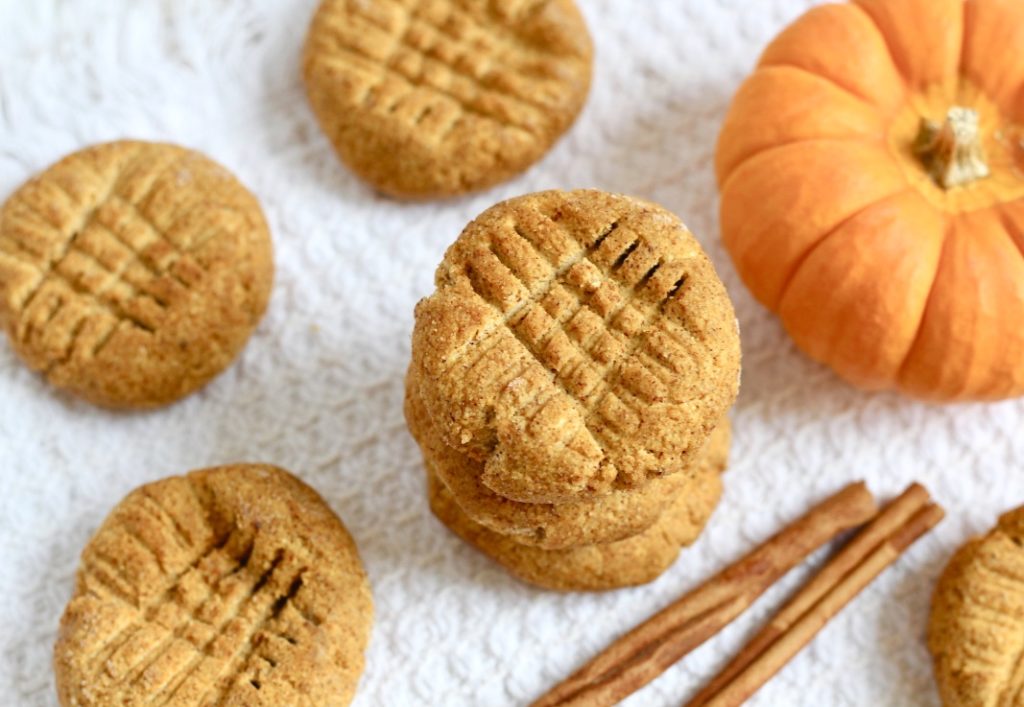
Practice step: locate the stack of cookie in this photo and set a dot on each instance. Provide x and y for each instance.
(568, 388)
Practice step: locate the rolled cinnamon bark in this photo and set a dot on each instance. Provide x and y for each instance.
(648, 650)
(876, 547)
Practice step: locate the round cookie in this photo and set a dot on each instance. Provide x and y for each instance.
(632, 561)
(429, 98)
(615, 516)
(577, 342)
(235, 585)
(131, 273)
(976, 631)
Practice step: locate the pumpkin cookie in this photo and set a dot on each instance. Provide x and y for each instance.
(615, 516)
(131, 273)
(578, 342)
(427, 98)
(233, 585)
(976, 633)
(635, 560)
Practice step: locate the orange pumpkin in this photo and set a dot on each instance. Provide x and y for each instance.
(872, 180)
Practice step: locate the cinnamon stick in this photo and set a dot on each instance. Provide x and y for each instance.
(648, 650)
(876, 547)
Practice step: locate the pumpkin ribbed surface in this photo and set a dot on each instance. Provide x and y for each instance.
(872, 180)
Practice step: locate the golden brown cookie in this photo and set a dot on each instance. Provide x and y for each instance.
(976, 633)
(615, 516)
(428, 98)
(635, 560)
(577, 342)
(131, 273)
(234, 585)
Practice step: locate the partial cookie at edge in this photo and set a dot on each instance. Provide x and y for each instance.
(976, 628)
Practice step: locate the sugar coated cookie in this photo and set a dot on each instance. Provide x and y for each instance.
(429, 98)
(131, 273)
(635, 560)
(577, 342)
(555, 526)
(976, 632)
(235, 585)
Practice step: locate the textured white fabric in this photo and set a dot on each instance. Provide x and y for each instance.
(319, 388)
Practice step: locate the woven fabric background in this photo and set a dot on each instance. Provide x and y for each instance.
(319, 388)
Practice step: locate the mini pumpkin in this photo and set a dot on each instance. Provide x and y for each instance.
(872, 192)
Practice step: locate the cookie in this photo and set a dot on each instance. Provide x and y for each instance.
(976, 632)
(615, 516)
(132, 273)
(632, 561)
(431, 98)
(577, 342)
(234, 585)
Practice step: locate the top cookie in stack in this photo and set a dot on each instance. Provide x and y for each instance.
(579, 347)
(577, 342)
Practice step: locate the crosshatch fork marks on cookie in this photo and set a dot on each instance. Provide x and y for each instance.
(395, 49)
(113, 267)
(207, 626)
(976, 630)
(999, 574)
(229, 585)
(583, 318)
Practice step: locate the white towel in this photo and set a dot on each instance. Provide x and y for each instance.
(319, 387)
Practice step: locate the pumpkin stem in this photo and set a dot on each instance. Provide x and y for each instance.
(951, 151)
